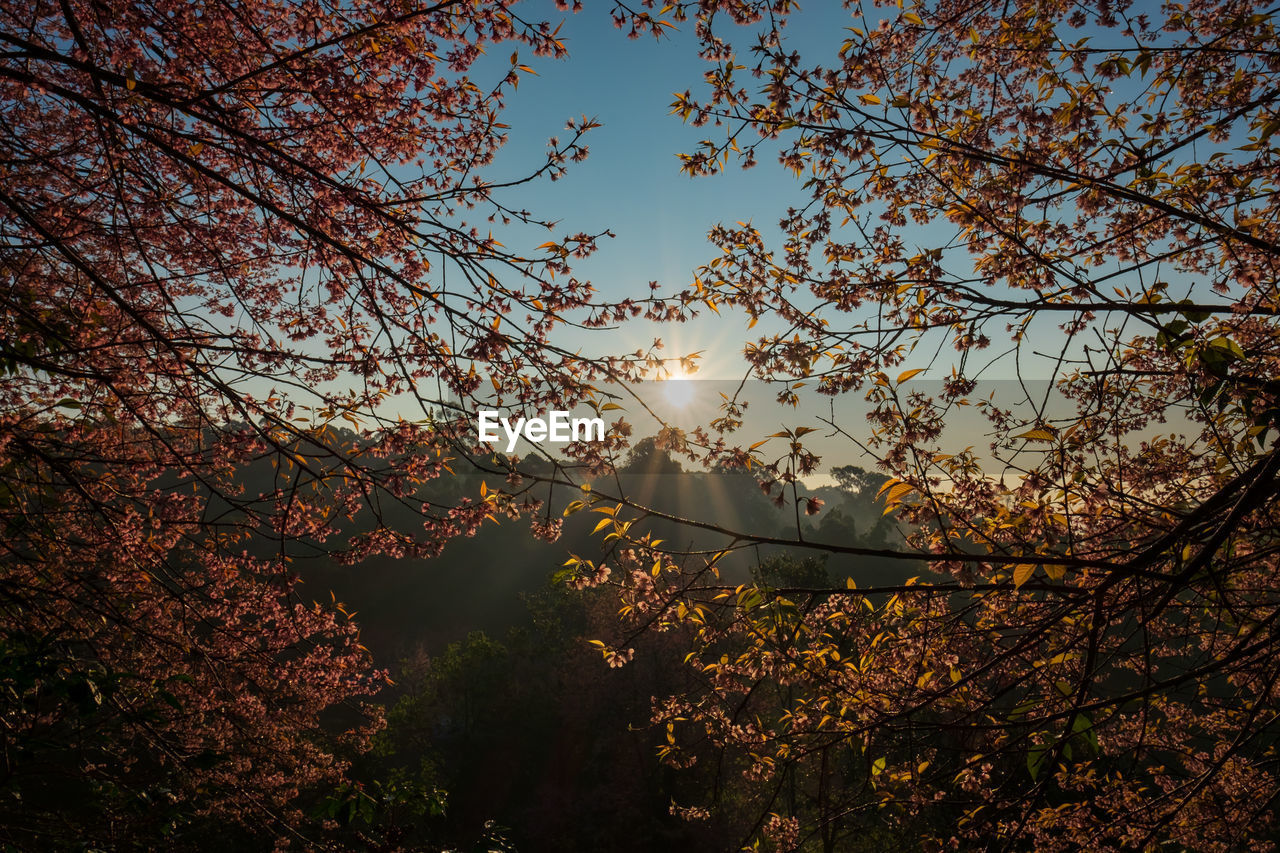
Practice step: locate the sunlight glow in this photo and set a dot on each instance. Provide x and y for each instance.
(678, 391)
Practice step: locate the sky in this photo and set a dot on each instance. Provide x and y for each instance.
(631, 183)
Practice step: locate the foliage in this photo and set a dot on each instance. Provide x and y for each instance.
(648, 457)
(858, 482)
(230, 232)
(785, 571)
(531, 734)
(1083, 193)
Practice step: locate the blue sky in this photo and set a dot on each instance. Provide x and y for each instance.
(631, 183)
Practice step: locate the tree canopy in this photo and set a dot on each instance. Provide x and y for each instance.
(253, 292)
(1081, 193)
(231, 234)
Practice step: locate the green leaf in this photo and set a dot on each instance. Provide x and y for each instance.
(1082, 730)
(1037, 757)
(1191, 314)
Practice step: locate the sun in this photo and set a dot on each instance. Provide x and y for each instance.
(678, 390)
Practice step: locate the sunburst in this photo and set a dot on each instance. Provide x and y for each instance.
(678, 390)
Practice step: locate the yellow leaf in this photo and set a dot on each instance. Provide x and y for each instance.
(907, 374)
(1055, 572)
(1022, 573)
(869, 99)
(1037, 434)
(897, 492)
(913, 18)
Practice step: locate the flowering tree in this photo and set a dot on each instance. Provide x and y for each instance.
(1085, 193)
(230, 231)
(227, 232)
